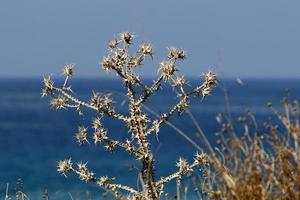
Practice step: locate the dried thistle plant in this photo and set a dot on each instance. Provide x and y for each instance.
(138, 121)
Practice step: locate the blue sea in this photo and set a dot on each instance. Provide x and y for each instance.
(34, 136)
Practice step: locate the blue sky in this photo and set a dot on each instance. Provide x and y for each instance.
(236, 38)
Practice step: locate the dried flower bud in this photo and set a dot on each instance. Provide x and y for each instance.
(111, 145)
(127, 37)
(48, 87)
(82, 167)
(96, 100)
(129, 146)
(176, 53)
(201, 159)
(205, 91)
(99, 136)
(156, 126)
(103, 180)
(81, 135)
(183, 165)
(107, 101)
(48, 82)
(210, 79)
(179, 81)
(146, 49)
(137, 61)
(59, 102)
(168, 68)
(68, 70)
(86, 175)
(64, 166)
(113, 43)
(97, 124)
(106, 63)
(182, 106)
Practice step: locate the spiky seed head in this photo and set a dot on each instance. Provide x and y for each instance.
(168, 68)
(99, 135)
(135, 61)
(64, 166)
(210, 79)
(81, 135)
(182, 106)
(126, 37)
(176, 53)
(68, 70)
(146, 49)
(111, 145)
(106, 63)
(201, 159)
(48, 86)
(179, 81)
(156, 126)
(107, 101)
(86, 175)
(96, 100)
(183, 165)
(205, 91)
(82, 166)
(59, 102)
(113, 43)
(103, 180)
(97, 124)
(129, 146)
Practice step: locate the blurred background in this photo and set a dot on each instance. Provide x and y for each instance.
(253, 46)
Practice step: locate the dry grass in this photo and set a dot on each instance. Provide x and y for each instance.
(263, 163)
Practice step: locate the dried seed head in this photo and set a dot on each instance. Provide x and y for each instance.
(59, 102)
(137, 61)
(201, 159)
(183, 165)
(107, 101)
(64, 166)
(182, 106)
(82, 167)
(106, 63)
(86, 175)
(113, 43)
(103, 180)
(111, 145)
(156, 126)
(97, 124)
(176, 53)
(129, 146)
(168, 68)
(48, 86)
(48, 82)
(209, 82)
(81, 135)
(96, 100)
(99, 135)
(210, 79)
(205, 91)
(146, 49)
(68, 70)
(126, 37)
(179, 81)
